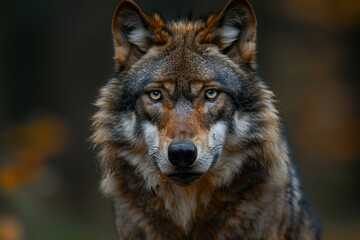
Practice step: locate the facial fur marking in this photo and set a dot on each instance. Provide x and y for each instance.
(217, 132)
(208, 156)
(151, 135)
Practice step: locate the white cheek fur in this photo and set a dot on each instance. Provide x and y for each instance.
(216, 139)
(151, 135)
(217, 134)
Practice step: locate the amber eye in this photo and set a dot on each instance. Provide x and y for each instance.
(155, 95)
(211, 94)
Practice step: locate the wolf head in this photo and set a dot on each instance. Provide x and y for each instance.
(185, 103)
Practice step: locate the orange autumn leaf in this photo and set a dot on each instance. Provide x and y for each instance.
(26, 147)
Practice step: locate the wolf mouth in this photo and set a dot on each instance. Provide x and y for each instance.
(184, 178)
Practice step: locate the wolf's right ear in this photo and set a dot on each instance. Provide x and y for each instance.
(134, 32)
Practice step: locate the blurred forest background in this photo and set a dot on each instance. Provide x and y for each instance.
(56, 54)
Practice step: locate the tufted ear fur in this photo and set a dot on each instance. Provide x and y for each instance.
(134, 32)
(233, 30)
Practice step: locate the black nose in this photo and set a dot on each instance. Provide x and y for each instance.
(182, 153)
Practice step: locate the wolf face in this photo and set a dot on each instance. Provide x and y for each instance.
(185, 90)
(186, 110)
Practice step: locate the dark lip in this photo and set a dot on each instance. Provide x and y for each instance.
(184, 178)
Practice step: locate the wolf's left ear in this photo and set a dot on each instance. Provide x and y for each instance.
(135, 32)
(233, 30)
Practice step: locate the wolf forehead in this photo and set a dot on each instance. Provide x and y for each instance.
(182, 67)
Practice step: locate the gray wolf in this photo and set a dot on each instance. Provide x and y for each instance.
(189, 139)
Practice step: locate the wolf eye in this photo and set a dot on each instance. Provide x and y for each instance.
(155, 95)
(211, 94)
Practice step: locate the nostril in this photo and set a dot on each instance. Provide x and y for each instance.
(182, 153)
